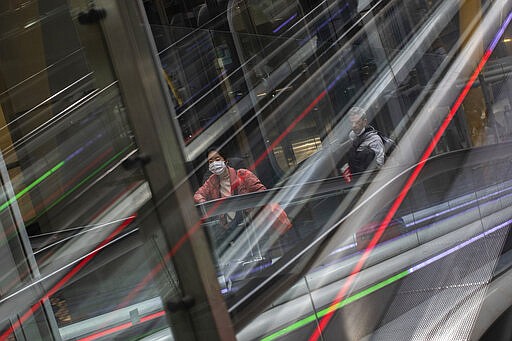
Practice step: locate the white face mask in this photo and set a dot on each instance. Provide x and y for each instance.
(217, 167)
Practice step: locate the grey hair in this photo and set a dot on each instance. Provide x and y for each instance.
(358, 112)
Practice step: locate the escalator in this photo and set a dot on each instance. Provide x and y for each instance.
(286, 104)
(264, 277)
(427, 110)
(433, 232)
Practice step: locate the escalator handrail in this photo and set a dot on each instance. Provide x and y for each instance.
(436, 165)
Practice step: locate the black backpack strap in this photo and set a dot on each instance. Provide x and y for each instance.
(389, 143)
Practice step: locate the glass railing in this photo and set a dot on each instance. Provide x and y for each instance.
(66, 196)
(405, 89)
(253, 258)
(246, 248)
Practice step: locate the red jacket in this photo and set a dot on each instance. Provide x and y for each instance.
(242, 181)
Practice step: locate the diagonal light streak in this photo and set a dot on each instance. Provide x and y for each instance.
(29, 313)
(410, 181)
(311, 318)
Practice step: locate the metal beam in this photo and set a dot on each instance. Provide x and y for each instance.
(171, 216)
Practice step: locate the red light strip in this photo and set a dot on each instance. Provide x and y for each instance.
(65, 279)
(107, 332)
(123, 326)
(152, 316)
(398, 201)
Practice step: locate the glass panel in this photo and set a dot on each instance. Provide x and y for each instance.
(299, 67)
(72, 255)
(399, 237)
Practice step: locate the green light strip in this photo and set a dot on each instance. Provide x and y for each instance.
(32, 185)
(339, 305)
(68, 192)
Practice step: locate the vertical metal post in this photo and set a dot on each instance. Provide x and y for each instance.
(175, 221)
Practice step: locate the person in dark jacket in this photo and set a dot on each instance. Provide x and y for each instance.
(367, 146)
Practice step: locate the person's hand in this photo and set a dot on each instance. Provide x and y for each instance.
(346, 173)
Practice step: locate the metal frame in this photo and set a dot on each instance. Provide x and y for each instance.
(171, 215)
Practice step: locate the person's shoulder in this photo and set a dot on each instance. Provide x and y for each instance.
(243, 171)
(371, 133)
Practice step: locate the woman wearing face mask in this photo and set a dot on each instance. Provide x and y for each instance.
(226, 181)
